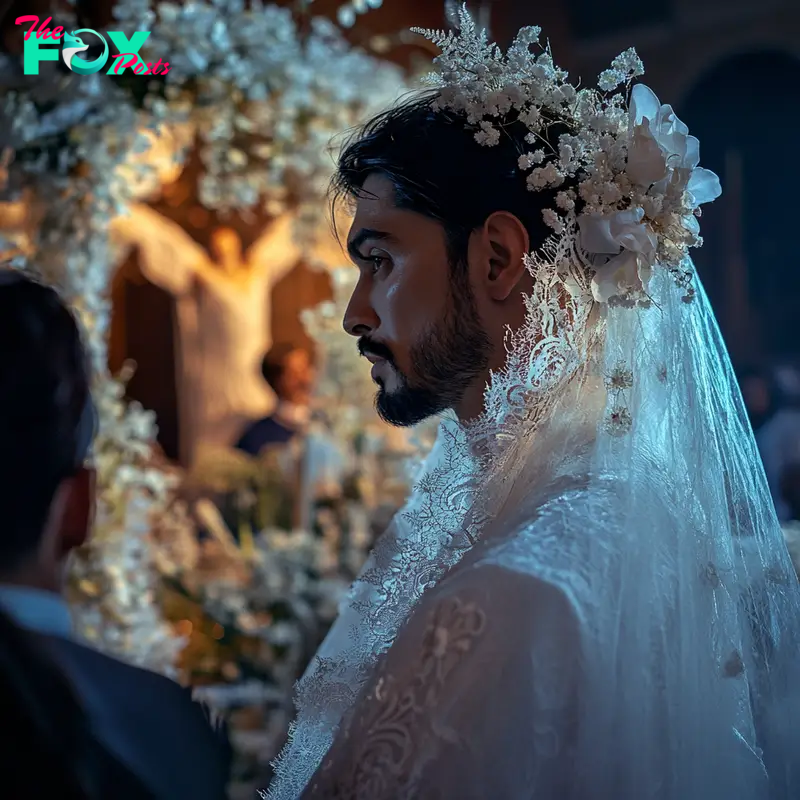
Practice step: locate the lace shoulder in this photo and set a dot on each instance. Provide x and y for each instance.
(431, 720)
(559, 542)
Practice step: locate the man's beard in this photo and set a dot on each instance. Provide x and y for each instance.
(444, 363)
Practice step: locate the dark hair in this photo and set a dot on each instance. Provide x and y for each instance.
(46, 416)
(439, 170)
(274, 362)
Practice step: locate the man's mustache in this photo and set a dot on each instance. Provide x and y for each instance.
(377, 349)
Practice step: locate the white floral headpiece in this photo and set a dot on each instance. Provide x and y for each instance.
(626, 160)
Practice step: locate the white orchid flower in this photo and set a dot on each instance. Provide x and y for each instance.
(661, 144)
(632, 247)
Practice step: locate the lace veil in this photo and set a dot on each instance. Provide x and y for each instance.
(614, 462)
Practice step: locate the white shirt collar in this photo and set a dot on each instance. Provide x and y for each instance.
(36, 610)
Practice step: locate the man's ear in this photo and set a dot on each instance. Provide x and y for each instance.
(500, 246)
(78, 511)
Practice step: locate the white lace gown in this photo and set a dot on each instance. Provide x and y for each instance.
(601, 616)
(484, 692)
(481, 677)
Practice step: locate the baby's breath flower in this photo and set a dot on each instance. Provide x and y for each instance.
(640, 182)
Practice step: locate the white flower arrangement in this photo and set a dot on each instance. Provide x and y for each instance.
(627, 159)
(265, 100)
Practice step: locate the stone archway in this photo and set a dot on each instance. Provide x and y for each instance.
(742, 112)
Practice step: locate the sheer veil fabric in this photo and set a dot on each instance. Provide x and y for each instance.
(590, 585)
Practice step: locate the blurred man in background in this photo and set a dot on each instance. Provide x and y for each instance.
(291, 372)
(772, 398)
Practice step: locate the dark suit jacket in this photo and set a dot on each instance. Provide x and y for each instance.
(262, 433)
(148, 722)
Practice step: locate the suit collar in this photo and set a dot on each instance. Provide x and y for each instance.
(37, 610)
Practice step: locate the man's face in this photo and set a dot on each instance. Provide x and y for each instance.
(297, 379)
(415, 321)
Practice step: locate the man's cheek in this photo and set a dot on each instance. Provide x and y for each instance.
(395, 315)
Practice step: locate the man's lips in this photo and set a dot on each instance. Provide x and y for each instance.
(378, 365)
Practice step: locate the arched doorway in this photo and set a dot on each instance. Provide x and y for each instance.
(743, 112)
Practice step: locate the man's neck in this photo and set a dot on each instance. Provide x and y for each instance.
(295, 416)
(471, 405)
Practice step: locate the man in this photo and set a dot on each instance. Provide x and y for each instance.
(290, 372)
(587, 596)
(316, 464)
(47, 423)
(774, 411)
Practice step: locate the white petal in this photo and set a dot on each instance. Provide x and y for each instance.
(644, 104)
(620, 273)
(628, 232)
(704, 186)
(596, 234)
(638, 240)
(633, 216)
(691, 224)
(670, 122)
(646, 162)
(692, 156)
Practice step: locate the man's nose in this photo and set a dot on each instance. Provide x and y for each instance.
(360, 318)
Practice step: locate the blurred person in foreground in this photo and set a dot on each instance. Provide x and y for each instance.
(148, 723)
(311, 457)
(50, 749)
(759, 393)
(588, 595)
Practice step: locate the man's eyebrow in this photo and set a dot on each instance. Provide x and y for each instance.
(354, 244)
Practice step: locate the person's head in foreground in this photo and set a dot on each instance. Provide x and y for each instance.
(47, 422)
(587, 594)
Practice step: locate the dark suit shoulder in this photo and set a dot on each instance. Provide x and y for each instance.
(74, 656)
(149, 721)
(261, 433)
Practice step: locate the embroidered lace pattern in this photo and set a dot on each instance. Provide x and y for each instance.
(379, 755)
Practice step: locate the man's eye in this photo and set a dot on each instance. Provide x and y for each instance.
(377, 262)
